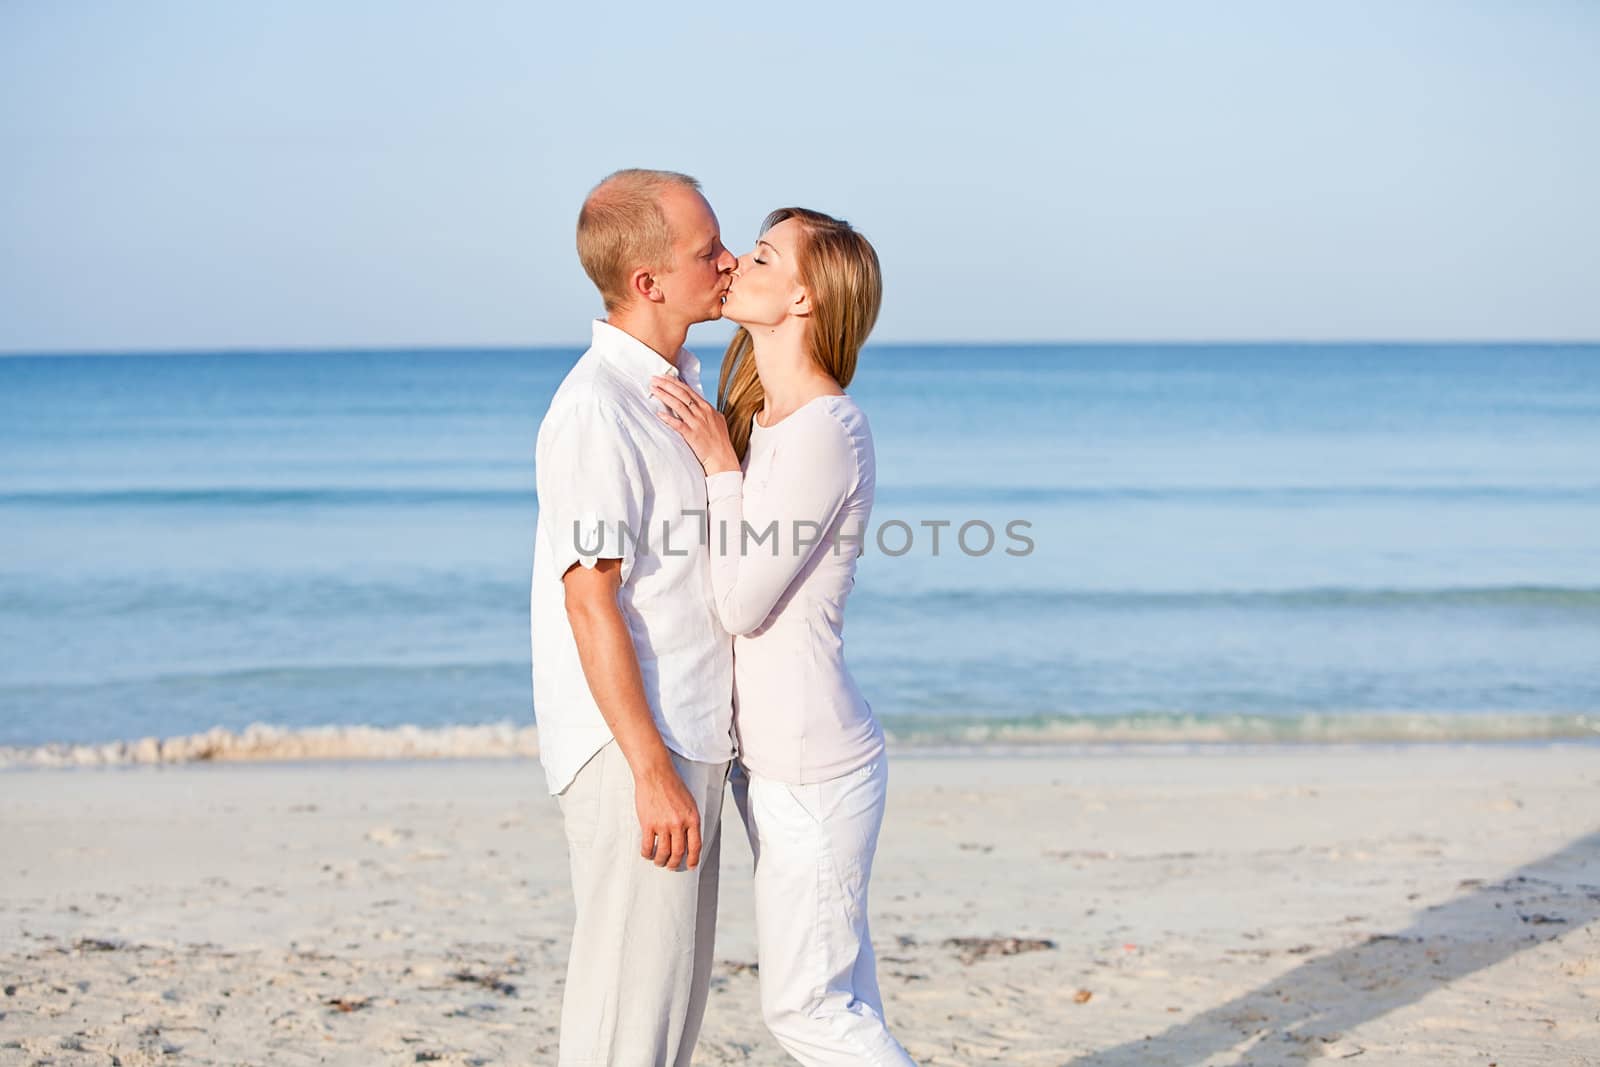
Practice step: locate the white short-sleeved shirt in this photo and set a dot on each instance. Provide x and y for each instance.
(615, 482)
(804, 496)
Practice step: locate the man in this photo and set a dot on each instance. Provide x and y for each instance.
(632, 671)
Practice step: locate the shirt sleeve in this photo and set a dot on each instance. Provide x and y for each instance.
(589, 484)
(762, 541)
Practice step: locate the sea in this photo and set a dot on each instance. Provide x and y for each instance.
(1082, 544)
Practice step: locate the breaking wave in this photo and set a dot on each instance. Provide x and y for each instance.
(261, 743)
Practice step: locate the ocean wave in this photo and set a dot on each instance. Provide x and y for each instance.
(899, 495)
(238, 595)
(1309, 728)
(1484, 596)
(889, 497)
(261, 743)
(273, 497)
(325, 595)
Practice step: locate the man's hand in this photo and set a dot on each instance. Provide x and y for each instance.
(669, 821)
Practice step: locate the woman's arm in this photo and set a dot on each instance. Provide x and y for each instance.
(760, 543)
(759, 546)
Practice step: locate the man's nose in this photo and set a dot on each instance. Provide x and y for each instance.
(728, 262)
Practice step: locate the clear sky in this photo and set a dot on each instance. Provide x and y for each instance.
(193, 175)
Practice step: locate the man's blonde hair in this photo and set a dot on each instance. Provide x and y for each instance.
(622, 228)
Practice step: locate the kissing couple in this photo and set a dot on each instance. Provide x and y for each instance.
(678, 649)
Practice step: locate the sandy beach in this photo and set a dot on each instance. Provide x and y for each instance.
(1093, 908)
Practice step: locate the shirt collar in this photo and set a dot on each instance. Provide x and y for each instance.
(638, 360)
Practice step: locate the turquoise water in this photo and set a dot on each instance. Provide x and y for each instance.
(1280, 541)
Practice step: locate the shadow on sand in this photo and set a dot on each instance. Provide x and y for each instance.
(1289, 1019)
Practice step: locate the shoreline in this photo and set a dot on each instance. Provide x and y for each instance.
(933, 753)
(1063, 735)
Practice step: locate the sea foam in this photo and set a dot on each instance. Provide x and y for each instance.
(261, 743)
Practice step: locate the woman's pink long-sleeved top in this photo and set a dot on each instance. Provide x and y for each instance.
(785, 533)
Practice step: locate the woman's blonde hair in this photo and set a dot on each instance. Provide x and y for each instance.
(839, 270)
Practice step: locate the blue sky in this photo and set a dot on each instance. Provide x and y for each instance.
(199, 175)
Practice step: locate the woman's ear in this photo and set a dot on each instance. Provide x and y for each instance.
(802, 304)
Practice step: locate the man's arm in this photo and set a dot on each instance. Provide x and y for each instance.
(667, 813)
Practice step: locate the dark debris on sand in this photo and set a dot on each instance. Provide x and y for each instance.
(973, 949)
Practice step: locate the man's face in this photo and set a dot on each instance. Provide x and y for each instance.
(701, 268)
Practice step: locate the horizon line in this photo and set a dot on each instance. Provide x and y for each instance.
(417, 349)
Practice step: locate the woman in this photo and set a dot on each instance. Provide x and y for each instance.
(790, 455)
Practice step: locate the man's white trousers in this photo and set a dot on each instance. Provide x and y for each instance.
(642, 947)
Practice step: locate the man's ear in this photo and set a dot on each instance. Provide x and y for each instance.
(642, 285)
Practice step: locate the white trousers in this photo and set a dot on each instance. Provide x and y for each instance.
(813, 846)
(642, 947)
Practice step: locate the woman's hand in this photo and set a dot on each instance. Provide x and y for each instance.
(700, 424)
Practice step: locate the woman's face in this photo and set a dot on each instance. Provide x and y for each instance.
(766, 286)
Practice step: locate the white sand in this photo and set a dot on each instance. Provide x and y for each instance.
(1402, 905)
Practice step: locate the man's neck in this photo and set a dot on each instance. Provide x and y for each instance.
(661, 338)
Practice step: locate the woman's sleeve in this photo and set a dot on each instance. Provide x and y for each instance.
(760, 543)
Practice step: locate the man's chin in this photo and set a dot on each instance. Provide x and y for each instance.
(714, 313)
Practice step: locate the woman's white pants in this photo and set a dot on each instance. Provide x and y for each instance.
(813, 847)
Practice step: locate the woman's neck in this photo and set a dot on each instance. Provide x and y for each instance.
(790, 379)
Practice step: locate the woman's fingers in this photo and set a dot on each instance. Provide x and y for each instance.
(680, 405)
(668, 401)
(671, 387)
(703, 430)
(696, 421)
